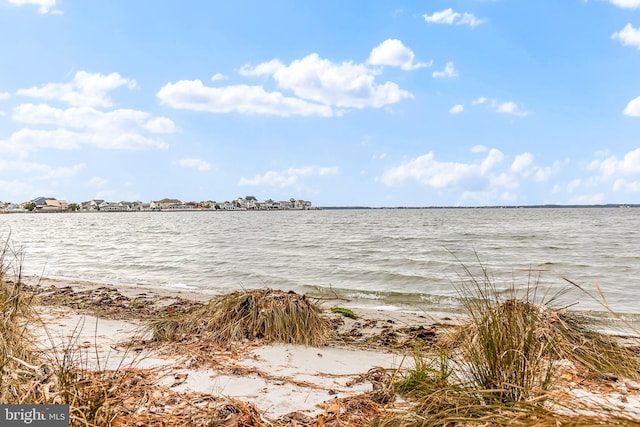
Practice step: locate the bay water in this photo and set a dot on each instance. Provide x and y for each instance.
(387, 258)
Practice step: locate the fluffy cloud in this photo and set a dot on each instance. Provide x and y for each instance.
(44, 6)
(85, 90)
(160, 125)
(88, 118)
(523, 166)
(392, 52)
(197, 164)
(449, 71)
(430, 172)
(448, 16)
(40, 171)
(345, 85)
(193, 95)
(633, 108)
(456, 109)
(522, 162)
(575, 183)
(317, 86)
(287, 177)
(478, 179)
(5, 95)
(627, 4)
(612, 167)
(628, 36)
(509, 108)
(218, 76)
(79, 126)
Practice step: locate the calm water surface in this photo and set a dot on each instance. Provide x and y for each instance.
(386, 256)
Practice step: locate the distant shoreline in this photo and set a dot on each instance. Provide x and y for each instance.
(318, 208)
(605, 206)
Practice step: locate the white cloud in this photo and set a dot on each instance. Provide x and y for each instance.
(611, 166)
(633, 108)
(25, 141)
(392, 52)
(197, 164)
(478, 149)
(509, 108)
(470, 20)
(218, 76)
(193, 95)
(287, 177)
(429, 172)
(265, 68)
(456, 109)
(319, 86)
(626, 4)
(160, 125)
(41, 171)
(44, 6)
(571, 186)
(80, 126)
(619, 185)
(345, 85)
(522, 162)
(85, 90)
(88, 118)
(448, 16)
(523, 165)
(449, 71)
(5, 95)
(117, 129)
(628, 36)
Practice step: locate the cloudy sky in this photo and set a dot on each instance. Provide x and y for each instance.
(378, 103)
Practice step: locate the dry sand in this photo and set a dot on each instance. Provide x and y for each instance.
(278, 379)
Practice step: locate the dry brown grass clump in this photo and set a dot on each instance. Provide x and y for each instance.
(267, 314)
(500, 367)
(16, 344)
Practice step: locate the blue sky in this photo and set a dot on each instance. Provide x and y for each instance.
(378, 103)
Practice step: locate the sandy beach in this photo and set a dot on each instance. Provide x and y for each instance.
(282, 383)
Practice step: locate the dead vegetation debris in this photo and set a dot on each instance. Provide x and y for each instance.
(263, 314)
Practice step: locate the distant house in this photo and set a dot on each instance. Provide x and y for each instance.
(164, 204)
(49, 204)
(11, 208)
(251, 202)
(114, 207)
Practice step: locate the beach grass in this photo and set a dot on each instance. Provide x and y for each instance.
(265, 314)
(16, 343)
(502, 365)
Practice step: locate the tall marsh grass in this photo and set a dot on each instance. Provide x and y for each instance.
(501, 367)
(16, 343)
